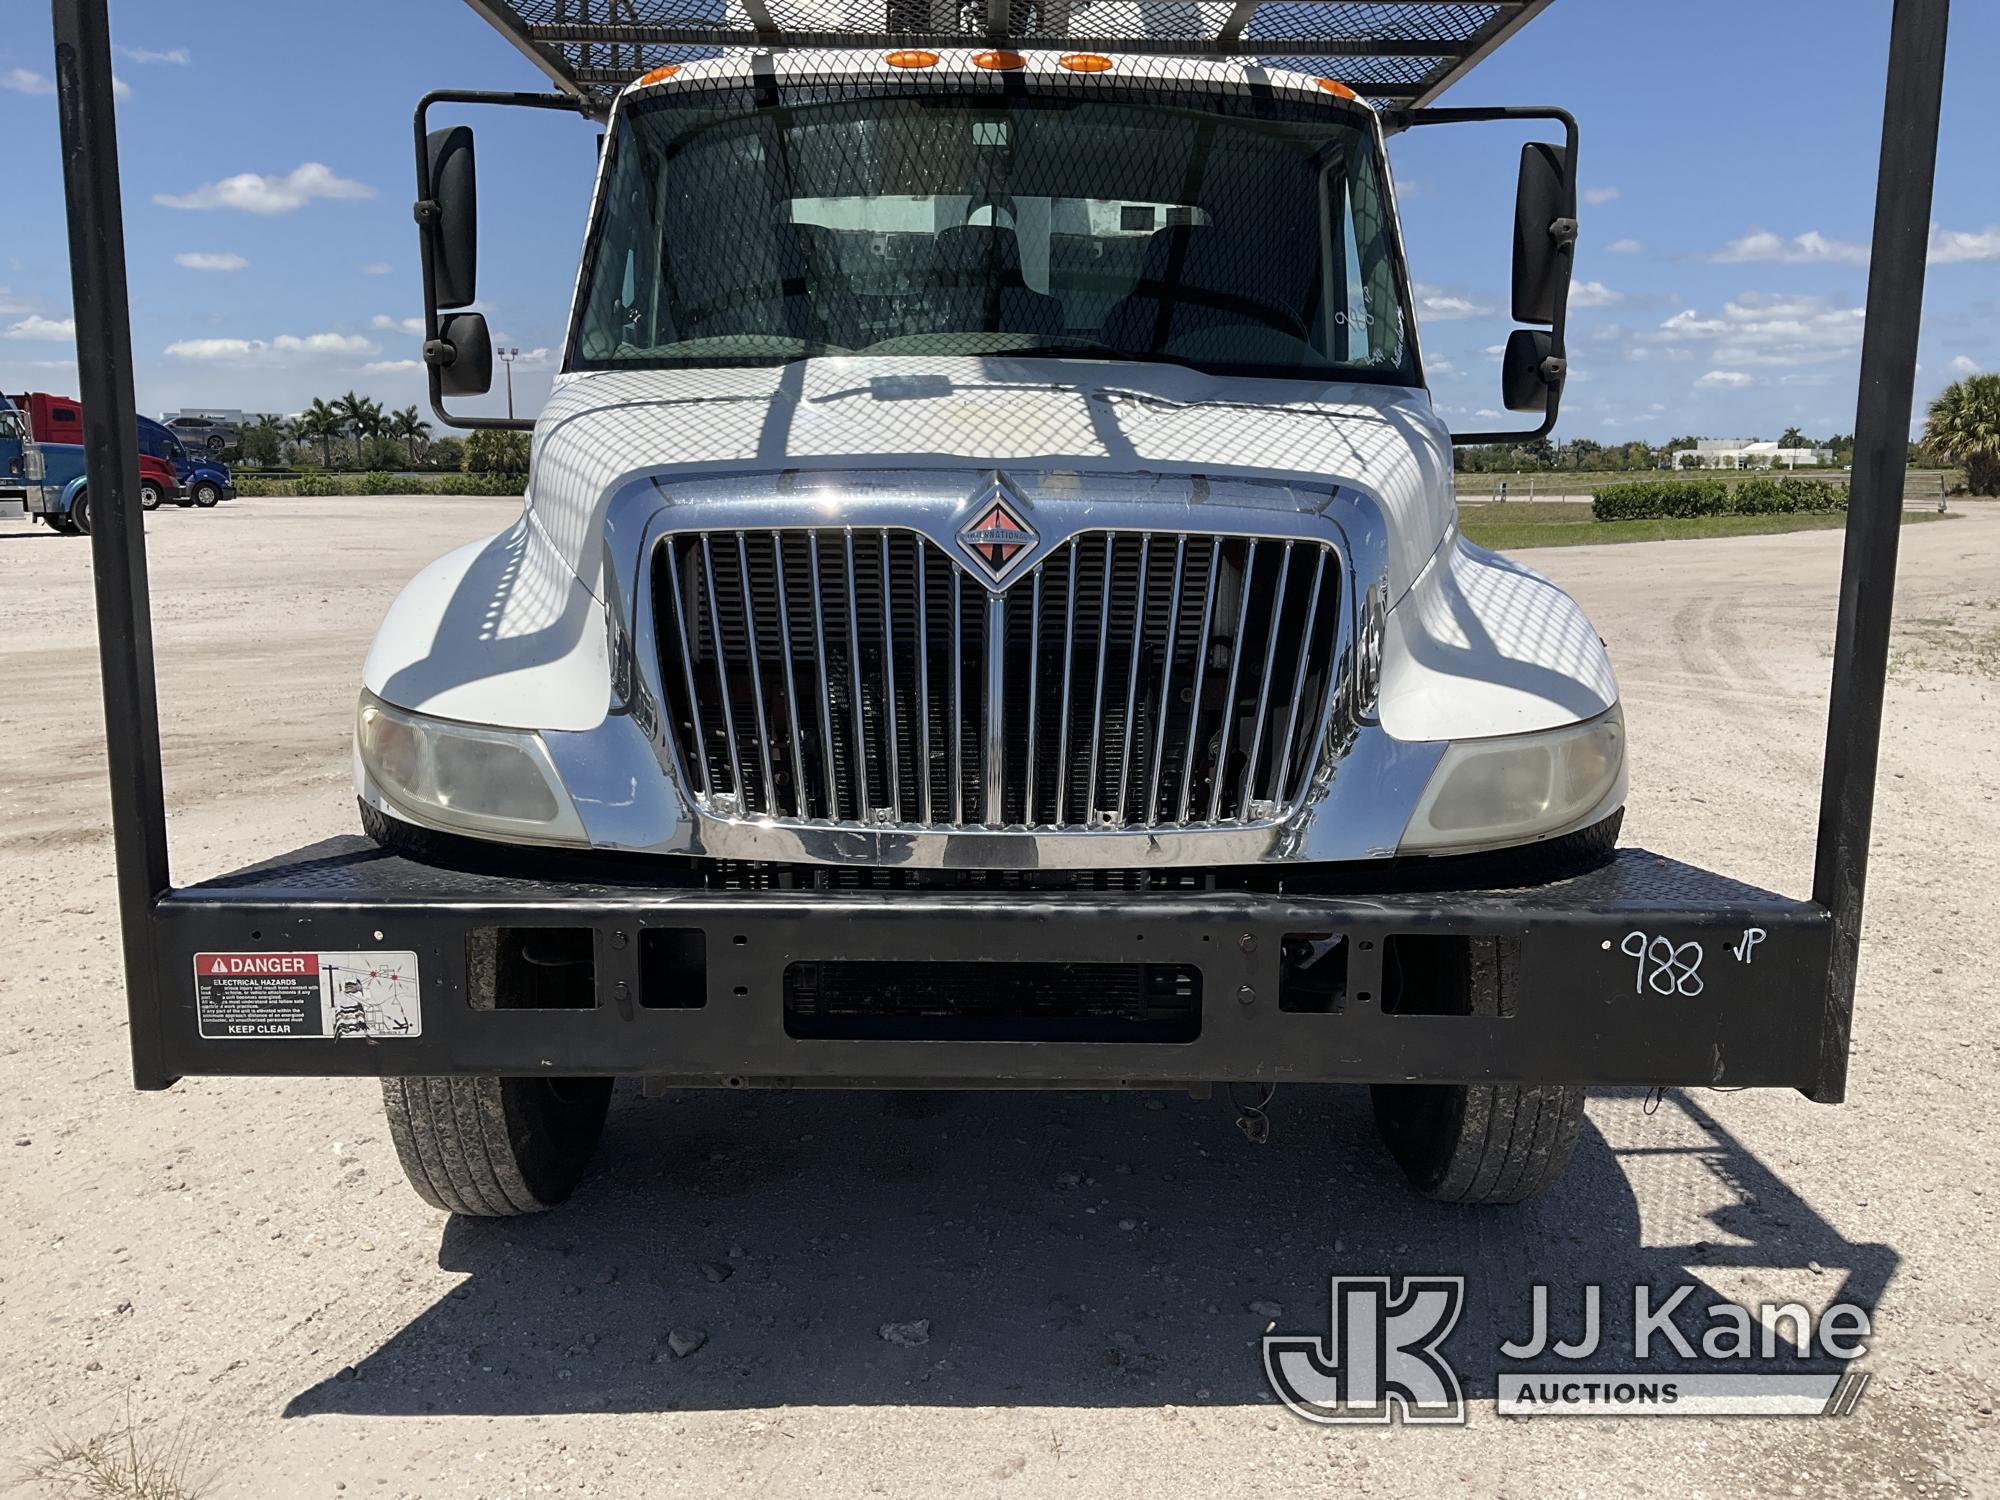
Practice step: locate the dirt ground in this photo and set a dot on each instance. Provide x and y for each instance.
(237, 1265)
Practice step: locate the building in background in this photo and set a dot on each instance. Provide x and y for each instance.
(1744, 453)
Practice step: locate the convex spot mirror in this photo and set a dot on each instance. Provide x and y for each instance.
(1526, 370)
(463, 355)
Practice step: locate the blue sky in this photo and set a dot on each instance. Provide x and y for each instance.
(1727, 165)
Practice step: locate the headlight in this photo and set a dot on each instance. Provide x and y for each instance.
(492, 782)
(1517, 788)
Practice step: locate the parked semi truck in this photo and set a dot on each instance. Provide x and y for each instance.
(988, 611)
(202, 481)
(46, 478)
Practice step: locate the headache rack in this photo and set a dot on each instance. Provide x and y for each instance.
(1402, 52)
(1642, 971)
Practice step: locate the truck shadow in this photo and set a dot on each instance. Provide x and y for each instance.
(1072, 1250)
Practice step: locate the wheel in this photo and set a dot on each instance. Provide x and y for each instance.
(490, 1147)
(217, 445)
(1470, 1143)
(207, 494)
(79, 513)
(149, 495)
(1487, 1143)
(60, 525)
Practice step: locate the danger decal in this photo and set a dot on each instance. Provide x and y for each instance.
(366, 996)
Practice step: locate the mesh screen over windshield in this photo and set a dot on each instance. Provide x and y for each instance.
(1231, 232)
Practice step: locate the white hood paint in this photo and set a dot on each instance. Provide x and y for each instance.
(511, 631)
(601, 431)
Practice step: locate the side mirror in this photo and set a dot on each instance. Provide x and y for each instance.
(1544, 232)
(462, 355)
(451, 217)
(1529, 370)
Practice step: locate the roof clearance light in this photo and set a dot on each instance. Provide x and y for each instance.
(1337, 89)
(659, 75)
(910, 57)
(1085, 62)
(999, 62)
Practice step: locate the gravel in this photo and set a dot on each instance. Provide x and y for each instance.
(219, 1220)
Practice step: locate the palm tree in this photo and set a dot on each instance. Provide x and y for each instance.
(411, 428)
(319, 423)
(360, 417)
(1793, 438)
(1963, 426)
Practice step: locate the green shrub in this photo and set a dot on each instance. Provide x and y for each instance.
(1678, 499)
(1675, 498)
(316, 484)
(495, 450)
(376, 482)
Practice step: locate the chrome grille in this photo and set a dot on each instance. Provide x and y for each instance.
(1128, 680)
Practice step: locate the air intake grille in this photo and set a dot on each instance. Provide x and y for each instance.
(863, 677)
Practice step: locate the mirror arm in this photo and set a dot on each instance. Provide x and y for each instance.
(437, 352)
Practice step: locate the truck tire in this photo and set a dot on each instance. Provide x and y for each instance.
(1472, 1143)
(149, 495)
(207, 495)
(491, 1147)
(79, 513)
(1486, 1143)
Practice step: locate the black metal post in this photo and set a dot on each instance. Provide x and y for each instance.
(118, 535)
(1875, 504)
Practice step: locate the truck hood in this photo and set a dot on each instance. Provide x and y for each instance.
(601, 432)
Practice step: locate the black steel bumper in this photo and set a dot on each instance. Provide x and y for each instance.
(1643, 972)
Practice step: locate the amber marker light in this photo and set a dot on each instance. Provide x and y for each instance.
(910, 57)
(1085, 62)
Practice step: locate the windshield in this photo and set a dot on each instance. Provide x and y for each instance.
(1233, 233)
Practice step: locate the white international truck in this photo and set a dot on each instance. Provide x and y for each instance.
(988, 611)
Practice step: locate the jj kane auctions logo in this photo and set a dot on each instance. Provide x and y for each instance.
(1383, 1357)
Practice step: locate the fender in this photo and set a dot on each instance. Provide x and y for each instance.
(1482, 645)
(498, 632)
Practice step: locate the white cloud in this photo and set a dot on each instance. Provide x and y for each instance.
(262, 351)
(388, 324)
(28, 81)
(1442, 305)
(373, 267)
(1760, 328)
(1487, 413)
(392, 366)
(1625, 247)
(1810, 248)
(39, 329)
(1593, 294)
(1723, 380)
(1950, 245)
(1496, 351)
(211, 260)
(9, 303)
(1600, 195)
(1965, 364)
(1437, 365)
(178, 56)
(254, 193)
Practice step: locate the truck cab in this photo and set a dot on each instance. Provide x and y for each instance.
(982, 471)
(200, 481)
(41, 454)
